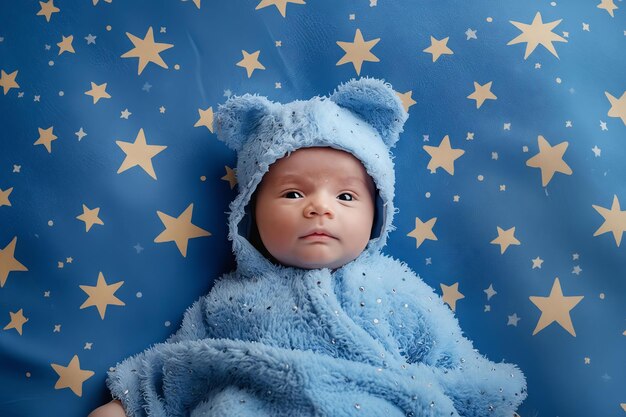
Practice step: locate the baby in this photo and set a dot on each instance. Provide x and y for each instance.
(315, 320)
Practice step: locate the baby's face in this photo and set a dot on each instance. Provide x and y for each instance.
(315, 189)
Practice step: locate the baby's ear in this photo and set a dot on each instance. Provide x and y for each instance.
(375, 102)
(239, 117)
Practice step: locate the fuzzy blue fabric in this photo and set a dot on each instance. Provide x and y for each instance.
(367, 339)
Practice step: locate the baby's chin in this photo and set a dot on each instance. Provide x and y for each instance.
(303, 264)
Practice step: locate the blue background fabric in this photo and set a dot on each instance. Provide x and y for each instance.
(94, 267)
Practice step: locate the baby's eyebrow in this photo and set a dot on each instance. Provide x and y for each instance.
(297, 178)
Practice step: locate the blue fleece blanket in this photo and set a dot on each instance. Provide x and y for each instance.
(370, 339)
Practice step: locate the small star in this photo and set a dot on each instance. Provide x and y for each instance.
(451, 294)
(482, 93)
(250, 62)
(537, 262)
(90, 39)
(566, 34)
(406, 99)
(46, 294)
(507, 126)
(438, 47)
(494, 156)
(47, 47)
(17, 321)
(147, 50)
(278, 85)
(69, 260)
(88, 345)
(425, 138)
(7, 81)
(230, 177)
(513, 320)
(586, 27)
(101, 295)
(358, 51)
(281, 5)
(227, 93)
(90, 217)
(471, 34)
(596, 150)
(505, 239)
(502, 187)
(138, 248)
(81, 134)
(470, 136)
(423, 231)
(1, 38)
(162, 109)
(352, 16)
(57, 328)
(124, 114)
(46, 136)
(443, 156)
(487, 308)
(587, 361)
(206, 118)
(568, 123)
(20, 94)
(16, 168)
(575, 256)
(490, 292)
(577, 270)
(37, 98)
(47, 9)
(429, 261)
(537, 65)
(163, 29)
(603, 125)
(97, 92)
(71, 376)
(279, 43)
(373, 3)
(146, 87)
(66, 44)
(456, 198)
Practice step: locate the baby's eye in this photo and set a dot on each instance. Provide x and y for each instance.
(292, 192)
(350, 197)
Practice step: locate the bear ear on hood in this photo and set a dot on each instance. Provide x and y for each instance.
(375, 102)
(239, 117)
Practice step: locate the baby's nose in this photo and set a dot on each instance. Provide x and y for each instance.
(319, 205)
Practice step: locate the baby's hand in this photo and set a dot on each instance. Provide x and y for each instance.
(112, 409)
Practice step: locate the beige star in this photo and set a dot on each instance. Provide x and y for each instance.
(98, 92)
(96, 1)
(71, 376)
(549, 160)
(407, 99)
(139, 153)
(357, 51)
(537, 262)
(147, 50)
(451, 294)
(614, 220)
(250, 62)
(47, 9)
(607, 5)
(179, 229)
(438, 48)
(197, 3)
(482, 93)
(505, 239)
(443, 156)
(90, 217)
(281, 5)
(423, 231)
(102, 295)
(8, 263)
(45, 138)
(17, 321)
(555, 307)
(537, 33)
(4, 197)
(230, 177)
(206, 119)
(66, 44)
(618, 106)
(7, 81)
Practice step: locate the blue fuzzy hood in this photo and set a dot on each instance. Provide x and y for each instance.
(363, 117)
